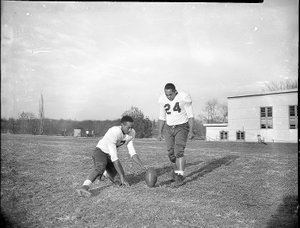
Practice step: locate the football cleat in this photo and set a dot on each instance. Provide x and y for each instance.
(84, 191)
(172, 175)
(178, 181)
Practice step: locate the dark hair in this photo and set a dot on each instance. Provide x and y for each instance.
(170, 86)
(126, 119)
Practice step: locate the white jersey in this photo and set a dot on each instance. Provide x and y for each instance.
(115, 138)
(177, 111)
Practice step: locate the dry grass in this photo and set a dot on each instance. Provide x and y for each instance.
(227, 185)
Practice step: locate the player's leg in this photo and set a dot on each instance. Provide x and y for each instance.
(173, 170)
(170, 140)
(180, 144)
(110, 171)
(181, 163)
(100, 162)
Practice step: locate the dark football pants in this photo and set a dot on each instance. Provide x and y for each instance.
(176, 137)
(102, 162)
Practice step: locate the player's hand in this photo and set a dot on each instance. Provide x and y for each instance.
(160, 137)
(124, 182)
(146, 167)
(191, 135)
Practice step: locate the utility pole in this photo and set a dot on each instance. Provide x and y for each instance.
(41, 115)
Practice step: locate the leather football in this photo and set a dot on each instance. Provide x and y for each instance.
(151, 177)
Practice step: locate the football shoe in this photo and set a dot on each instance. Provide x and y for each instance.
(84, 191)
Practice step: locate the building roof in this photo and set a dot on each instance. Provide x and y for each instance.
(216, 125)
(265, 93)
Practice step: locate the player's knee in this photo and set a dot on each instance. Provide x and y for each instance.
(100, 168)
(179, 150)
(171, 155)
(179, 154)
(172, 158)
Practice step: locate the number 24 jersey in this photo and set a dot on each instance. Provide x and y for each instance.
(177, 111)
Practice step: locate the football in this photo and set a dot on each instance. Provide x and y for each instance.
(150, 177)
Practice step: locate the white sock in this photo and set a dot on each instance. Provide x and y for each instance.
(179, 172)
(105, 173)
(87, 182)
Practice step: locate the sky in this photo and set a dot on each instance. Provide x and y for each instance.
(96, 60)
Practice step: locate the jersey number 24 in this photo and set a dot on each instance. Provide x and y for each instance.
(176, 108)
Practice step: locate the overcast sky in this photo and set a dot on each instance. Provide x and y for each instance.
(94, 60)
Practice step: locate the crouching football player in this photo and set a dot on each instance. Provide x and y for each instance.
(105, 155)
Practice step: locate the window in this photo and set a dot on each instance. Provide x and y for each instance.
(240, 135)
(293, 115)
(223, 135)
(266, 117)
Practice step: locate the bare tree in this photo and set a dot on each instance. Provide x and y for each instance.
(28, 123)
(223, 113)
(210, 109)
(281, 85)
(134, 112)
(215, 112)
(13, 125)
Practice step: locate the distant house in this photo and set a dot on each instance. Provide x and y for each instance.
(268, 117)
(77, 132)
(216, 132)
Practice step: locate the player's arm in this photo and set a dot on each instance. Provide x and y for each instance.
(190, 114)
(191, 125)
(118, 166)
(138, 161)
(161, 121)
(161, 124)
(134, 155)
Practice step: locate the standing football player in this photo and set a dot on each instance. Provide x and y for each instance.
(105, 155)
(177, 112)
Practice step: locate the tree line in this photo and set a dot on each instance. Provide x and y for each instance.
(28, 123)
(213, 112)
(64, 127)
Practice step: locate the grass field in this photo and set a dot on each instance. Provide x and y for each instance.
(227, 184)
